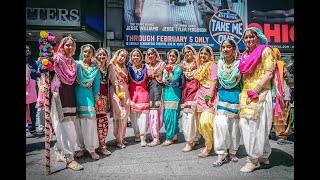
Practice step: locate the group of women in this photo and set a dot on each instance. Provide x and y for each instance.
(221, 100)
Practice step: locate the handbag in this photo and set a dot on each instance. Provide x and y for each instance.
(31, 93)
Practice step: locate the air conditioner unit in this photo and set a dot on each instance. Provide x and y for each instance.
(110, 35)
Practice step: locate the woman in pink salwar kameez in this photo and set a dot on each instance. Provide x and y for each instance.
(155, 87)
(119, 95)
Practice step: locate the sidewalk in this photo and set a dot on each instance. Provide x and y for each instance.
(136, 162)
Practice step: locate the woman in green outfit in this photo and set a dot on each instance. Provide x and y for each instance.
(172, 76)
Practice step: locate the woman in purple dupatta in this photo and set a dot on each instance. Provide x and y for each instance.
(63, 103)
(258, 67)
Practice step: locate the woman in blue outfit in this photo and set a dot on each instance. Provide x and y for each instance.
(87, 95)
(172, 76)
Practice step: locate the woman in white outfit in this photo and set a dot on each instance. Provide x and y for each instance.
(226, 122)
(258, 66)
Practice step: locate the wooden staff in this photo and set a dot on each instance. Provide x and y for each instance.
(46, 90)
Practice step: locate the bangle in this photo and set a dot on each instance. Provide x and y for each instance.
(257, 89)
(207, 97)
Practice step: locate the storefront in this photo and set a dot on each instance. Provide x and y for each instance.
(83, 20)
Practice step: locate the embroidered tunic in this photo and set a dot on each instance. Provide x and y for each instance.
(88, 87)
(251, 79)
(138, 79)
(206, 73)
(155, 87)
(229, 89)
(191, 85)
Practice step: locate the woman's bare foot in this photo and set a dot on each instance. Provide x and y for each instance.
(153, 143)
(94, 156)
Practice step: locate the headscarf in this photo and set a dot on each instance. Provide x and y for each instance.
(131, 53)
(235, 76)
(97, 54)
(82, 49)
(211, 57)
(116, 54)
(63, 42)
(190, 48)
(262, 37)
(277, 53)
(136, 76)
(159, 67)
(178, 55)
(157, 55)
(246, 65)
(86, 77)
(61, 68)
(236, 53)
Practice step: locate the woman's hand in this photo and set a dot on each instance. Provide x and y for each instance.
(249, 100)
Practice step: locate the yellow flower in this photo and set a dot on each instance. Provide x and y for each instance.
(43, 34)
(45, 62)
(121, 95)
(41, 88)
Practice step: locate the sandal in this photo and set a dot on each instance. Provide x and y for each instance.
(143, 143)
(120, 145)
(233, 158)
(105, 151)
(60, 158)
(188, 147)
(245, 169)
(203, 154)
(167, 143)
(94, 156)
(80, 153)
(74, 165)
(219, 163)
(153, 143)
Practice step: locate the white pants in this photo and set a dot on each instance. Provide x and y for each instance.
(255, 133)
(65, 133)
(87, 134)
(190, 127)
(139, 123)
(226, 135)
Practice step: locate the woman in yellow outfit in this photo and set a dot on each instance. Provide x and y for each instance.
(207, 76)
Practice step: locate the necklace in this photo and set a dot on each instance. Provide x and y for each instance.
(121, 72)
(188, 69)
(137, 71)
(227, 68)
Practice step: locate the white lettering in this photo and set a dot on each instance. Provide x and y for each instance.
(74, 13)
(52, 16)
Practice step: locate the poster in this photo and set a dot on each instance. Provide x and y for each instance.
(176, 23)
(276, 20)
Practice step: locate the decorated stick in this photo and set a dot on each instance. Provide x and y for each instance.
(45, 64)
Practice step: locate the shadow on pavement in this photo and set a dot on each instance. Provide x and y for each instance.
(38, 146)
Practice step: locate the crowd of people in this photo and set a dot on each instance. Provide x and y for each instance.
(227, 101)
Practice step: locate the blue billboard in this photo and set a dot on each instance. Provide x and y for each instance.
(176, 23)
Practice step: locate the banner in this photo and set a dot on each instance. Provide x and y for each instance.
(176, 23)
(276, 20)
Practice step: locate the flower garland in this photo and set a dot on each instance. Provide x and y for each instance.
(47, 44)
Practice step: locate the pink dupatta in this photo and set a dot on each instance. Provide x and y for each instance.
(62, 70)
(246, 65)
